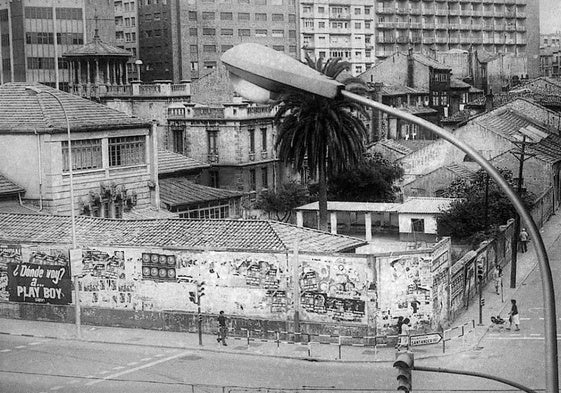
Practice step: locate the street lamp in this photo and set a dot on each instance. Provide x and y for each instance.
(34, 90)
(266, 69)
(138, 64)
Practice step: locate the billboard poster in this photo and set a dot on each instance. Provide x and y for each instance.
(34, 283)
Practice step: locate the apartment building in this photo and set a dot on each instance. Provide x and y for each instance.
(183, 40)
(338, 29)
(126, 32)
(35, 33)
(506, 26)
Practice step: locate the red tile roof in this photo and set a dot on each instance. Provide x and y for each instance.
(97, 48)
(180, 191)
(248, 235)
(170, 162)
(25, 112)
(8, 187)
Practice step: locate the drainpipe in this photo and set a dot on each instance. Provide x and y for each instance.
(40, 169)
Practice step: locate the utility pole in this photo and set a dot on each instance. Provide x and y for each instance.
(521, 156)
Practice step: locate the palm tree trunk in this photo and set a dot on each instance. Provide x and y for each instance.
(323, 196)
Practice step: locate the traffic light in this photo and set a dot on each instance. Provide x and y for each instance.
(480, 273)
(193, 297)
(201, 289)
(404, 364)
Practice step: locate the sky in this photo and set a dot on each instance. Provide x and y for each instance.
(550, 16)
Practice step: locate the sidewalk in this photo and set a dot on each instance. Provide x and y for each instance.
(313, 352)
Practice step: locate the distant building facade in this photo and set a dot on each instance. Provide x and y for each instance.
(181, 40)
(35, 34)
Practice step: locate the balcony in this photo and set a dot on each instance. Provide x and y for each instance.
(441, 12)
(385, 40)
(402, 40)
(161, 89)
(415, 11)
(386, 25)
(477, 40)
(521, 15)
(441, 40)
(402, 11)
(465, 26)
(428, 40)
(415, 25)
(385, 11)
(488, 40)
(342, 15)
(428, 11)
(521, 28)
(476, 26)
(428, 26)
(454, 40)
(453, 26)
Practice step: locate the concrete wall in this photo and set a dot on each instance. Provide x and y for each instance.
(393, 71)
(405, 225)
(135, 287)
(428, 184)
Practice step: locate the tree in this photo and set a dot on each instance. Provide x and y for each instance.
(281, 203)
(371, 181)
(326, 134)
(466, 217)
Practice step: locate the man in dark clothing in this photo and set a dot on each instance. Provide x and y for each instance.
(222, 329)
(524, 238)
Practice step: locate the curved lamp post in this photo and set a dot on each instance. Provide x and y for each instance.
(34, 90)
(261, 74)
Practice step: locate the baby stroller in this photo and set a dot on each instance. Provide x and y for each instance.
(497, 322)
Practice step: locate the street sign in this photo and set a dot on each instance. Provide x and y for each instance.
(425, 339)
(76, 261)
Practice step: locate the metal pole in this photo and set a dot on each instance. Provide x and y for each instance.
(480, 302)
(550, 323)
(77, 311)
(486, 202)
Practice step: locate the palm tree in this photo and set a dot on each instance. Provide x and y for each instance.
(327, 133)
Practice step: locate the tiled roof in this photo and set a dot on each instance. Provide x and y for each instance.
(548, 149)
(97, 48)
(457, 117)
(455, 83)
(170, 162)
(430, 62)
(505, 122)
(426, 205)
(461, 170)
(24, 112)
(180, 191)
(8, 187)
(191, 234)
(14, 207)
(395, 90)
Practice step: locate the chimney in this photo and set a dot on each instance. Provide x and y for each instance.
(410, 68)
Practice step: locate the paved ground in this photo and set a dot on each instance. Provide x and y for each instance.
(320, 352)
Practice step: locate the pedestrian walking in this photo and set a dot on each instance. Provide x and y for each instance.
(404, 334)
(513, 318)
(524, 238)
(222, 329)
(497, 274)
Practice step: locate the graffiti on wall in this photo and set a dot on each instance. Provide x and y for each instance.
(335, 289)
(406, 290)
(105, 282)
(8, 254)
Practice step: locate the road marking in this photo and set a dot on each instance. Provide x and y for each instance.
(36, 343)
(132, 364)
(6, 350)
(56, 387)
(145, 359)
(104, 372)
(118, 368)
(74, 381)
(147, 365)
(525, 319)
(21, 346)
(535, 334)
(160, 355)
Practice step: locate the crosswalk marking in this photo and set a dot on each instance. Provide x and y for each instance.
(5, 350)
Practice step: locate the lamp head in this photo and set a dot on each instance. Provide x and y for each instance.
(138, 62)
(274, 72)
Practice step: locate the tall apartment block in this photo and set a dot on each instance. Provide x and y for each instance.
(505, 26)
(184, 39)
(126, 31)
(35, 33)
(339, 29)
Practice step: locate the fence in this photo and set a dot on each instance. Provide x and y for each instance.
(543, 207)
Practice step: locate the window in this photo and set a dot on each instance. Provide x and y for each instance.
(279, 48)
(209, 31)
(358, 25)
(178, 140)
(252, 180)
(260, 32)
(41, 63)
(251, 141)
(243, 16)
(292, 18)
(277, 17)
(226, 16)
(86, 154)
(321, 10)
(307, 9)
(264, 178)
(38, 13)
(243, 32)
(224, 48)
(291, 33)
(212, 139)
(125, 151)
(418, 225)
(260, 2)
(209, 48)
(226, 31)
(193, 31)
(193, 49)
(208, 15)
(133, 21)
(261, 17)
(263, 139)
(192, 15)
(278, 33)
(209, 65)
